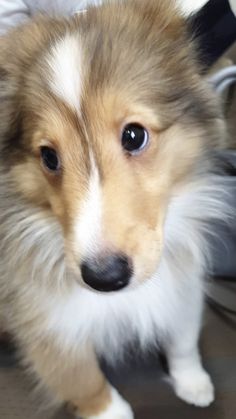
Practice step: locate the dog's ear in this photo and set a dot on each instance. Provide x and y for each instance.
(8, 86)
(20, 49)
(16, 54)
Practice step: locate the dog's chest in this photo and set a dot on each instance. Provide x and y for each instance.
(111, 320)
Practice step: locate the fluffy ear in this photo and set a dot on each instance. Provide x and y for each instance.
(8, 84)
(20, 49)
(16, 52)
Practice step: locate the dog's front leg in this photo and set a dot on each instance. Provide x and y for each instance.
(191, 382)
(74, 377)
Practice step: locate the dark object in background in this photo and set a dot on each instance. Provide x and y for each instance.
(224, 242)
(215, 27)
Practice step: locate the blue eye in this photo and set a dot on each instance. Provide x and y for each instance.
(134, 138)
(50, 159)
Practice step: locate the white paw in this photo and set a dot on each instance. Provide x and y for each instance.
(117, 409)
(194, 387)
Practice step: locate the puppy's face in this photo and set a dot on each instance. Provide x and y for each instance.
(112, 121)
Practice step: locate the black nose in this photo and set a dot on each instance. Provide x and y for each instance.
(107, 274)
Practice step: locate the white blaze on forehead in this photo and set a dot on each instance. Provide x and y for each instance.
(65, 63)
(89, 225)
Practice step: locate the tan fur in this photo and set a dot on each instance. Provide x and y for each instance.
(77, 379)
(139, 68)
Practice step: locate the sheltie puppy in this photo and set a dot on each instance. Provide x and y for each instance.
(107, 188)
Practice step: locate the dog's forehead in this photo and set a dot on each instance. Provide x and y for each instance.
(79, 87)
(103, 57)
(123, 55)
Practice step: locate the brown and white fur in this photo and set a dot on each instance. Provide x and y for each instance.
(74, 84)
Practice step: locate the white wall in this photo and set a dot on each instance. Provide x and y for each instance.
(233, 5)
(189, 6)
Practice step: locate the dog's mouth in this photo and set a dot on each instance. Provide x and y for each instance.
(109, 274)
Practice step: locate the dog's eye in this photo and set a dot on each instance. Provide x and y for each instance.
(50, 159)
(134, 138)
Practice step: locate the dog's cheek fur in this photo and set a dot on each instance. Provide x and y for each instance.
(30, 183)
